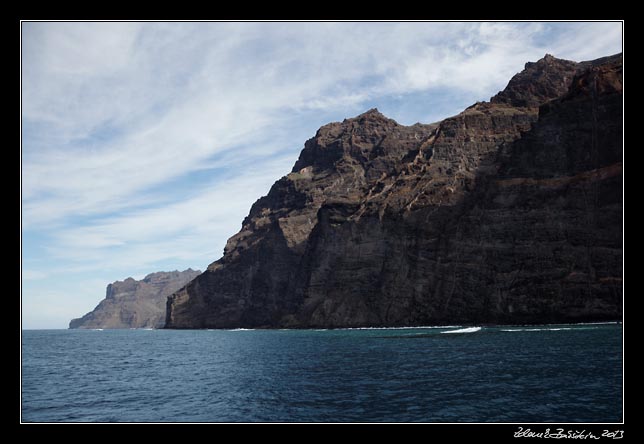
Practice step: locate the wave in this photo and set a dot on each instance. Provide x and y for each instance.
(567, 324)
(241, 329)
(548, 329)
(464, 330)
(524, 329)
(399, 328)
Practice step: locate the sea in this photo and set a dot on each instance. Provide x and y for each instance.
(453, 374)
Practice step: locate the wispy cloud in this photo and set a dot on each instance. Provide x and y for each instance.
(176, 230)
(144, 144)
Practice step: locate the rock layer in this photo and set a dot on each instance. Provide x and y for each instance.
(509, 212)
(135, 304)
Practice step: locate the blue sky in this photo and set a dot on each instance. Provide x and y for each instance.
(145, 144)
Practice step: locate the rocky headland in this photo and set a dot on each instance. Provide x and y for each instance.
(135, 304)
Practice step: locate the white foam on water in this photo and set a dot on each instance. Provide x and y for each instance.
(522, 329)
(399, 328)
(241, 329)
(548, 329)
(464, 330)
(550, 326)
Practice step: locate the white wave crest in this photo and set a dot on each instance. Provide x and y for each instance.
(548, 329)
(464, 330)
(399, 328)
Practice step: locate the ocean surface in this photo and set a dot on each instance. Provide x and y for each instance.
(554, 373)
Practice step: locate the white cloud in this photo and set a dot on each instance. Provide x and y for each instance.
(120, 118)
(599, 39)
(177, 230)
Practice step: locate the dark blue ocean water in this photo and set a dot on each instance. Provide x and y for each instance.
(500, 374)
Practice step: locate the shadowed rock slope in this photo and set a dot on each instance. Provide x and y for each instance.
(135, 304)
(509, 212)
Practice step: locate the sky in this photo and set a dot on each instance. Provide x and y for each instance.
(144, 144)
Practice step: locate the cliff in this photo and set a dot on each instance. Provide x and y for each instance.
(509, 212)
(135, 304)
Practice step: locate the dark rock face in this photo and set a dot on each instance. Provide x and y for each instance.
(510, 212)
(539, 82)
(135, 304)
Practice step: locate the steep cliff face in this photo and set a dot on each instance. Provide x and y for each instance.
(135, 304)
(508, 212)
